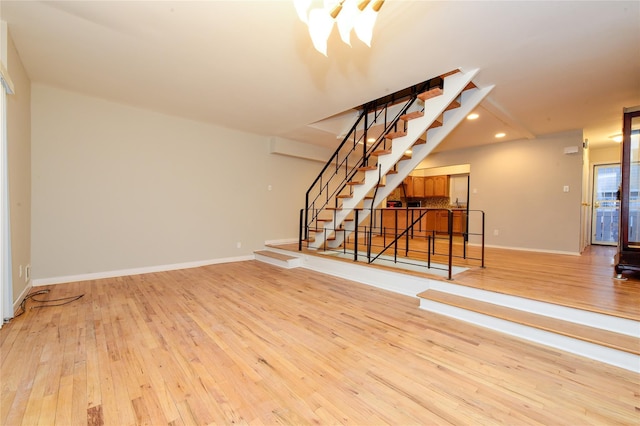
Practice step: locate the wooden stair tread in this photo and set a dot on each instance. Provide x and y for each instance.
(610, 339)
(367, 168)
(274, 255)
(345, 196)
(411, 115)
(355, 183)
(333, 208)
(447, 74)
(432, 93)
(381, 152)
(392, 172)
(393, 135)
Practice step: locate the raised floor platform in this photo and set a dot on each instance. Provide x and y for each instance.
(573, 303)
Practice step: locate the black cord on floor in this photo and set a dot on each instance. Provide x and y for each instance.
(45, 303)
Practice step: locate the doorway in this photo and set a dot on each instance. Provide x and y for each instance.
(606, 204)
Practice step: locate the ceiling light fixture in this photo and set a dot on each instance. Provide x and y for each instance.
(320, 15)
(472, 116)
(500, 135)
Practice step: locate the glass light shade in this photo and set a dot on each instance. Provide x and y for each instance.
(364, 24)
(346, 19)
(320, 26)
(302, 6)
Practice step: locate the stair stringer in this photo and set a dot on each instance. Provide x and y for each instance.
(469, 101)
(453, 86)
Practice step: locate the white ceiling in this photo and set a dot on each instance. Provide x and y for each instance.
(250, 65)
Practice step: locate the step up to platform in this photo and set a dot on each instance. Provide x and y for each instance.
(616, 348)
(278, 259)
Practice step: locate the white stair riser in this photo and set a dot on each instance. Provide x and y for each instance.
(600, 353)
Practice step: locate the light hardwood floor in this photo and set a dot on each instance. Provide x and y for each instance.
(250, 343)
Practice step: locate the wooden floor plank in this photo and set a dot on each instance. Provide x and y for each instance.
(251, 343)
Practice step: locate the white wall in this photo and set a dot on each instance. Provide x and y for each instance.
(519, 186)
(117, 188)
(607, 155)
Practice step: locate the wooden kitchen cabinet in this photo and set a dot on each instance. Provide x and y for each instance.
(429, 221)
(389, 220)
(418, 187)
(426, 186)
(408, 186)
(436, 186)
(442, 221)
(440, 186)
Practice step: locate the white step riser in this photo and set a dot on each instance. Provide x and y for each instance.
(600, 353)
(288, 264)
(591, 319)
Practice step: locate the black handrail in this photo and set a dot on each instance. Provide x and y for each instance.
(373, 203)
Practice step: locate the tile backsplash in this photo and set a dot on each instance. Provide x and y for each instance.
(435, 202)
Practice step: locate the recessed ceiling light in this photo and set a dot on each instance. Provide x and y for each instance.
(371, 140)
(616, 138)
(472, 116)
(500, 135)
(408, 152)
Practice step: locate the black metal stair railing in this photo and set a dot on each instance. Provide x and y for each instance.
(409, 233)
(348, 159)
(413, 250)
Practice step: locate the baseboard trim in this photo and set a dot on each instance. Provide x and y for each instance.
(136, 271)
(535, 250)
(18, 301)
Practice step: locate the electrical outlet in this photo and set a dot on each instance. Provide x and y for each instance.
(20, 271)
(238, 244)
(27, 273)
(496, 232)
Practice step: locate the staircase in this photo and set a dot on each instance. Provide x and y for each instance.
(420, 127)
